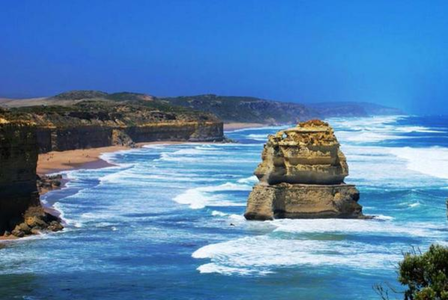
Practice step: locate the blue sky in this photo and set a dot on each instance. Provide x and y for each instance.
(388, 52)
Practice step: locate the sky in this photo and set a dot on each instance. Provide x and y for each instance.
(392, 52)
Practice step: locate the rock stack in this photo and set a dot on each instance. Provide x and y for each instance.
(302, 176)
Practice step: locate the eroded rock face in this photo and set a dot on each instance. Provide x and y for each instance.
(302, 176)
(19, 197)
(308, 153)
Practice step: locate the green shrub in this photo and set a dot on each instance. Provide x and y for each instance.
(425, 275)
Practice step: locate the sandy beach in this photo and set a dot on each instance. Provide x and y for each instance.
(235, 126)
(56, 161)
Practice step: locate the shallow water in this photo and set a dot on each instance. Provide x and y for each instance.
(166, 223)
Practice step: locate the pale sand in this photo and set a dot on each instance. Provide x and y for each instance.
(56, 161)
(235, 126)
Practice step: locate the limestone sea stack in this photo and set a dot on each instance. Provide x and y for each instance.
(302, 176)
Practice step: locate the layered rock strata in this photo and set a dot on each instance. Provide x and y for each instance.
(94, 124)
(21, 212)
(302, 176)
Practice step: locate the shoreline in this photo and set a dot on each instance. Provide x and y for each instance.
(60, 161)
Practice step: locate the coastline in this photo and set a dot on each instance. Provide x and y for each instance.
(59, 161)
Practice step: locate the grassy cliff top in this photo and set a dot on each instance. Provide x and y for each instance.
(256, 110)
(102, 109)
(246, 109)
(92, 94)
(227, 108)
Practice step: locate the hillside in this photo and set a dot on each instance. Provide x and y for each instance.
(255, 110)
(226, 108)
(246, 109)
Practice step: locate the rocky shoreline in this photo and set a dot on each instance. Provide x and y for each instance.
(21, 212)
(96, 120)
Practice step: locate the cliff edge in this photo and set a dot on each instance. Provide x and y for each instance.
(302, 176)
(21, 212)
(92, 119)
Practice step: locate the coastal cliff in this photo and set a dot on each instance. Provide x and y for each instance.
(21, 212)
(99, 122)
(87, 119)
(302, 176)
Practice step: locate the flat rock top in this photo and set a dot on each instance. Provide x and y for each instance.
(314, 132)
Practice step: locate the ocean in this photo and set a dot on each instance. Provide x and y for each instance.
(167, 222)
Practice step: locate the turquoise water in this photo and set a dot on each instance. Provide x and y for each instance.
(166, 223)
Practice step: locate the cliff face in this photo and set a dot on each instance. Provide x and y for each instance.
(302, 176)
(91, 124)
(18, 160)
(20, 208)
(186, 131)
(61, 139)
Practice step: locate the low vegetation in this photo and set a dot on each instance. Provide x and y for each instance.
(78, 108)
(425, 275)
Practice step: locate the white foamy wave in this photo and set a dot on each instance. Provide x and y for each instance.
(218, 213)
(370, 137)
(262, 254)
(203, 196)
(421, 129)
(228, 186)
(173, 157)
(155, 146)
(383, 217)
(194, 151)
(364, 122)
(353, 226)
(258, 137)
(430, 161)
(110, 157)
(378, 167)
(375, 129)
(195, 199)
(60, 208)
(249, 180)
(214, 268)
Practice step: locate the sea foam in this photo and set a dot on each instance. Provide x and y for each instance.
(430, 161)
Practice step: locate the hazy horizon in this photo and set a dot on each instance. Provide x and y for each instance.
(389, 53)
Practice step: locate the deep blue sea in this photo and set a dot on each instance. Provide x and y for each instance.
(167, 222)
